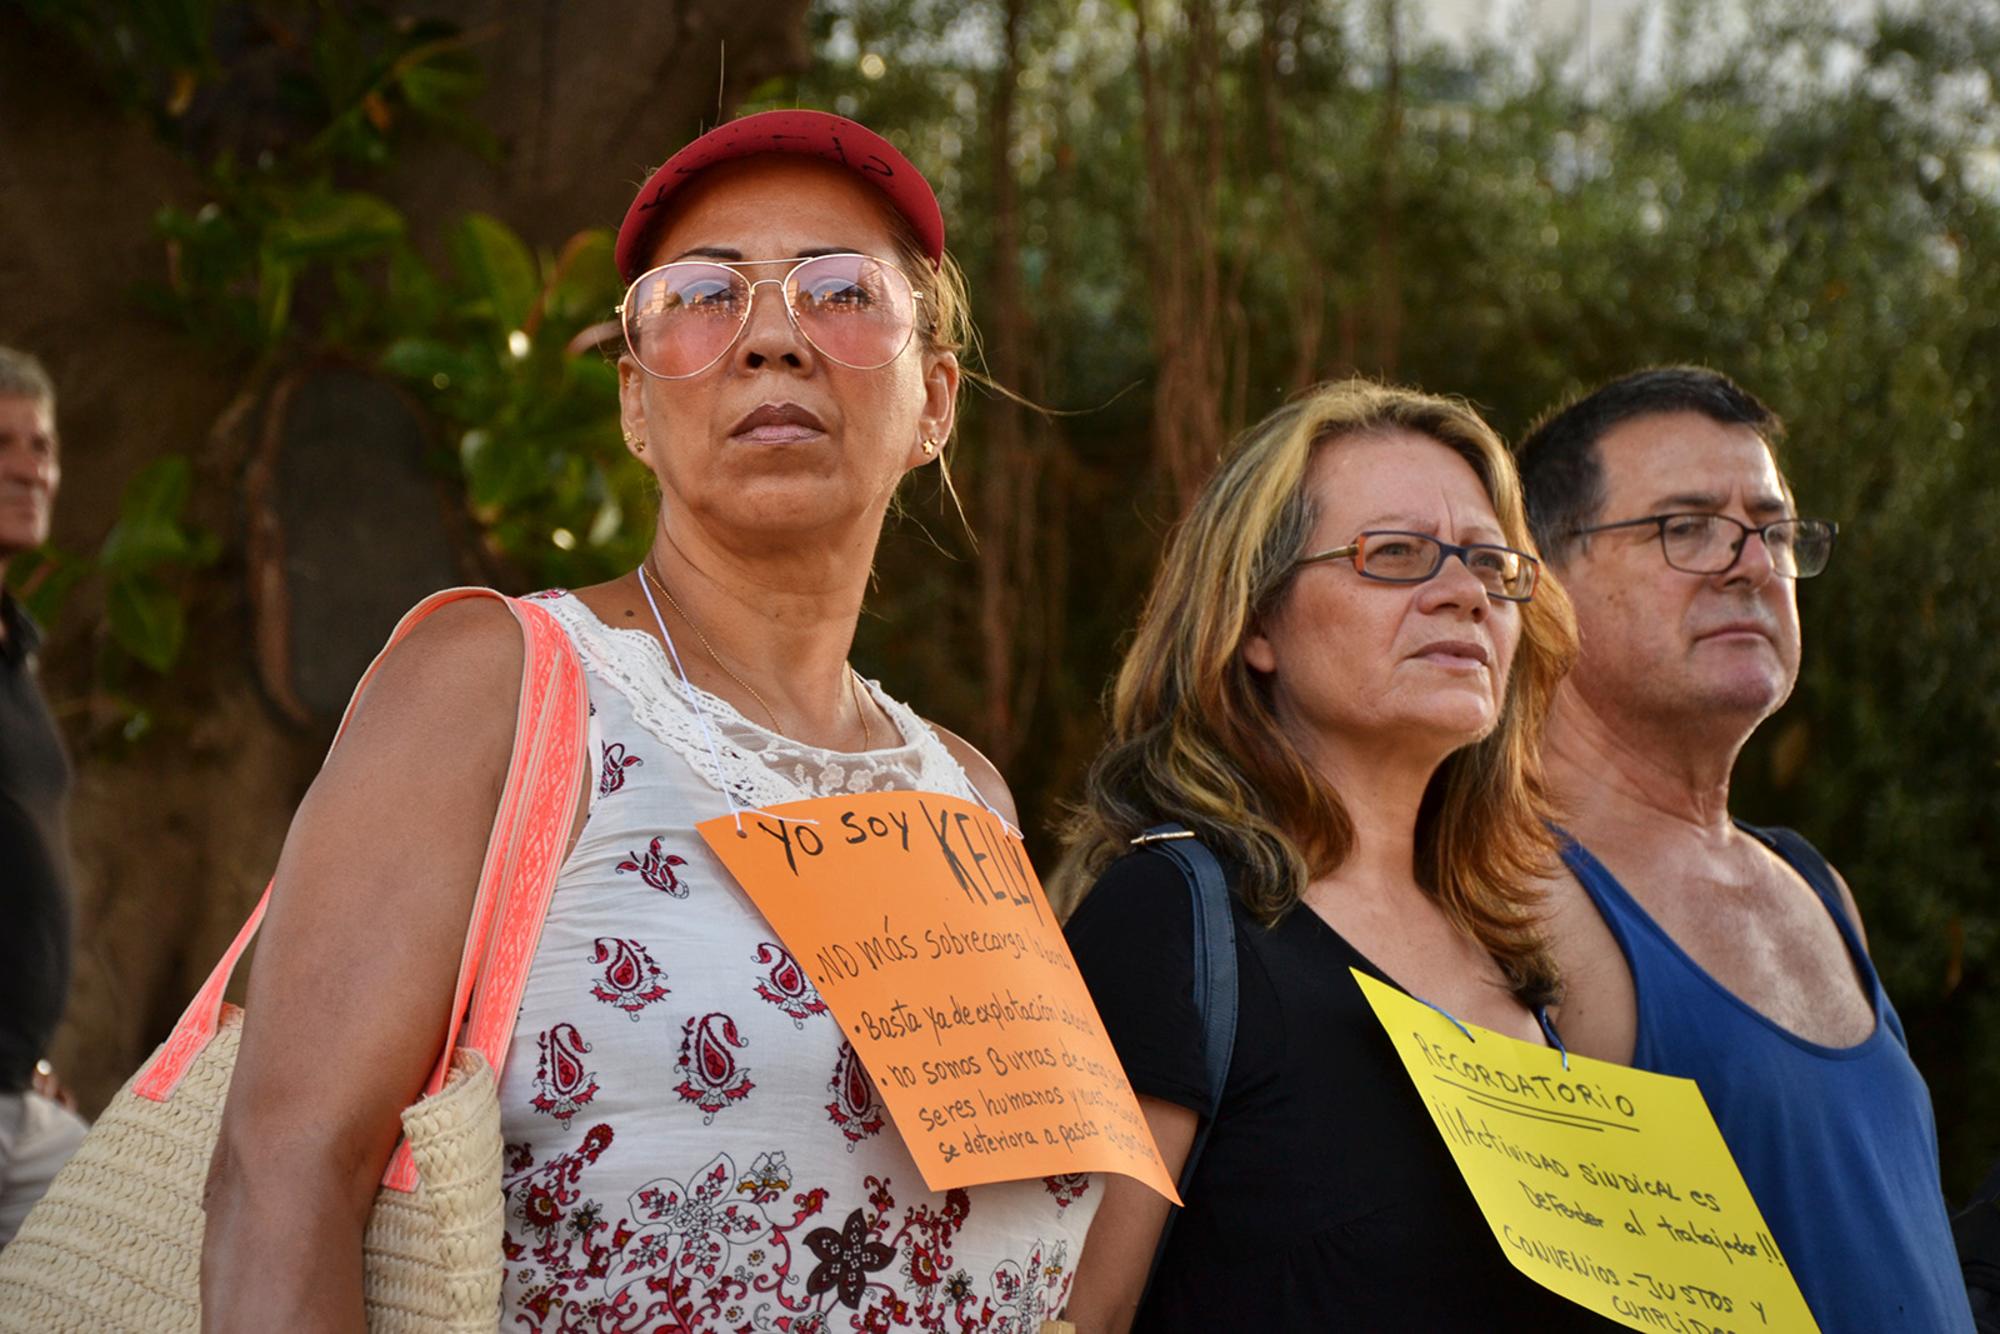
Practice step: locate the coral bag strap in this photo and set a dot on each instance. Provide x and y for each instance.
(530, 833)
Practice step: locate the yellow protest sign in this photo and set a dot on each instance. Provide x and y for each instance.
(1609, 1185)
(922, 923)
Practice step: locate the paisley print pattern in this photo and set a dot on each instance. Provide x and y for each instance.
(710, 1077)
(693, 1228)
(657, 869)
(724, 1250)
(786, 985)
(630, 980)
(692, 1144)
(856, 1108)
(562, 1085)
(1023, 1289)
(612, 776)
(1068, 1188)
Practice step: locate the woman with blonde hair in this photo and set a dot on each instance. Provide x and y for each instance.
(1337, 685)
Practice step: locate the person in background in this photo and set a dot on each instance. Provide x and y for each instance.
(691, 1143)
(1977, 1229)
(1693, 944)
(1337, 684)
(39, 1128)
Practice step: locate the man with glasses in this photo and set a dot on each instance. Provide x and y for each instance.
(1693, 944)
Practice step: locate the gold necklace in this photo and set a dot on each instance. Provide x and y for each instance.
(853, 691)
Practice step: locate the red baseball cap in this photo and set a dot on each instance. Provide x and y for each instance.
(817, 134)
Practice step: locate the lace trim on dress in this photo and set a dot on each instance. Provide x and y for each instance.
(750, 764)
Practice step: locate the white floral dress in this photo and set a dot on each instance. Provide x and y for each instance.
(691, 1143)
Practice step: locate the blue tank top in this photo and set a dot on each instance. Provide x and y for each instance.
(1837, 1144)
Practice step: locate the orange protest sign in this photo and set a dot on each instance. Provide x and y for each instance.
(922, 923)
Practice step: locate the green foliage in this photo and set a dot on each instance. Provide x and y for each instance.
(283, 257)
(290, 255)
(1809, 203)
(284, 231)
(43, 580)
(536, 419)
(238, 261)
(141, 571)
(143, 553)
(152, 54)
(334, 81)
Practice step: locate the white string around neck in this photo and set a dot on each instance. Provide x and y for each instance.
(736, 809)
(686, 687)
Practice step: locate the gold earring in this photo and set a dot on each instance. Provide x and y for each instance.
(930, 448)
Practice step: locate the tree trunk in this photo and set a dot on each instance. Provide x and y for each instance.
(1307, 294)
(1388, 200)
(1182, 190)
(1005, 484)
(174, 834)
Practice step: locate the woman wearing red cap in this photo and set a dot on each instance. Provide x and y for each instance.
(691, 1145)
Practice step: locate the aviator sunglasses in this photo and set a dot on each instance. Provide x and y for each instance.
(682, 318)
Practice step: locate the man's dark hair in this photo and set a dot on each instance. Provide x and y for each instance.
(1560, 470)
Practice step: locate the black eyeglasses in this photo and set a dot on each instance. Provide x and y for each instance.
(1713, 543)
(1392, 557)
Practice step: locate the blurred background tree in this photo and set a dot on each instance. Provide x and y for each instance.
(1201, 206)
(1177, 212)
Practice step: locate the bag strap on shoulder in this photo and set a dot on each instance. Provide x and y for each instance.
(523, 853)
(1215, 991)
(1214, 956)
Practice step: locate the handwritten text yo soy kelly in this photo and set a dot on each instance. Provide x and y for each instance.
(989, 867)
(918, 919)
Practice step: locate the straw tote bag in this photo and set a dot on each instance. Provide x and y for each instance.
(116, 1242)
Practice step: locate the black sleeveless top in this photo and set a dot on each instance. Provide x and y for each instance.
(1325, 1199)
